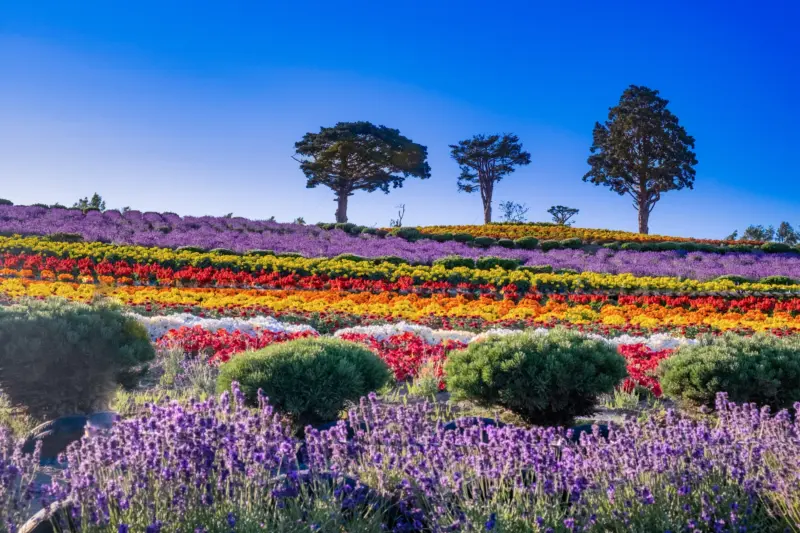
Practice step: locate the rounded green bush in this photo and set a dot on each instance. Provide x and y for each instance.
(409, 234)
(506, 243)
(571, 244)
(738, 280)
(380, 232)
(64, 237)
(566, 271)
(369, 231)
(289, 254)
(546, 379)
(764, 369)
(59, 357)
(778, 280)
(346, 227)
(776, 247)
(527, 243)
(326, 225)
(222, 251)
(193, 249)
(631, 246)
(739, 248)
(309, 379)
(440, 237)
(3, 201)
(537, 269)
(350, 257)
(612, 245)
(453, 261)
(484, 242)
(546, 246)
(393, 259)
(463, 237)
(260, 253)
(488, 263)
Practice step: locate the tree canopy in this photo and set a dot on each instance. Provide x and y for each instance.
(484, 160)
(562, 214)
(96, 203)
(642, 151)
(359, 156)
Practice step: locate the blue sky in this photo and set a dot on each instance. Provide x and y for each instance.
(195, 107)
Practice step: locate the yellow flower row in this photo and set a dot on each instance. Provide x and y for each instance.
(411, 307)
(345, 268)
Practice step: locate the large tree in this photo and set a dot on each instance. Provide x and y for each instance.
(359, 156)
(484, 160)
(642, 151)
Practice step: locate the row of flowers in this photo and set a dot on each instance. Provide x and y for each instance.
(560, 232)
(413, 307)
(35, 258)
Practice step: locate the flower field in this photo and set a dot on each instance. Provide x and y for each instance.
(210, 292)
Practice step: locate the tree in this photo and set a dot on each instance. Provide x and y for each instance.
(3, 201)
(485, 160)
(758, 233)
(359, 156)
(642, 151)
(786, 234)
(401, 212)
(95, 204)
(561, 214)
(513, 212)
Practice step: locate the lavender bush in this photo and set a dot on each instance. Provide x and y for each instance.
(240, 234)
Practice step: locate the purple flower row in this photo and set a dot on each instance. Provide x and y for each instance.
(239, 234)
(214, 465)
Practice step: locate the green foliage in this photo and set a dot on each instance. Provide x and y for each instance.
(738, 280)
(641, 120)
(440, 237)
(739, 248)
(488, 263)
(612, 245)
(453, 261)
(764, 369)
(665, 246)
(359, 156)
(484, 242)
(527, 243)
(537, 269)
(631, 246)
(513, 212)
(64, 237)
(546, 379)
(344, 226)
(289, 254)
(572, 244)
(407, 233)
(562, 214)
(260, 253)
(776, 247)
(548, 245)
(380, 232)
(393, 259)
(222, 251)
(506, 243)
(758, 233)
(326, 225)
(778, 280)
(309, 379)
(485, 160)
(96, 203)
(3, 201)
(59, 357)
(351, 257)
(566, 271)
(369, 231)
(463, 237)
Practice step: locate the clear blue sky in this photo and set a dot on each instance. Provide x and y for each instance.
(194, 107)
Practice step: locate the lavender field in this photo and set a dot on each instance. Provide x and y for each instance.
(240, 234)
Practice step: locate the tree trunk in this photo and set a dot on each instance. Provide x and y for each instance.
(644, 218)
(486, 196)
(341, 208)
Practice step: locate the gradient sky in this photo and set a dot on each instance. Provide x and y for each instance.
(194, 107)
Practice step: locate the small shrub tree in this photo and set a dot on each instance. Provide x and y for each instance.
(546, 379)
(562, 214)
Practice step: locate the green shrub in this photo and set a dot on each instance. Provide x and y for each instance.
(369, 231)
(710, 248)
(631, 246)
(488, 263)
(537, 269)
(738, 280)
(566, 271)
(484, 242)
(344, 226)
(546, 246)
(546, 379)
(3, 201)
(612, 245)
(393, 259)
(380, 232)
(64, 237)
(764, 369)
(289, 254)
(59, 357)
(260, 253)
(326, 225)
(309, 379)
(739, 248)
(776, 247)
(527, 243)
(193, 249)
(463, 237)
(440, 237)
(409, 234)
(571, 244)
(777, 280)
(222, 251)
(665, 246)
(453, 261)
(350, 257)
(506, 243)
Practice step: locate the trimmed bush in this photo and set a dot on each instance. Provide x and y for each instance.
(739, 248)
(326, 225)
(778, 280)
(453, 261)
(546, 379)
(506, 243)
(612, 245)
(380, 232)
(409, 234)
(3, 201)
(64, 237)
(309, 379)
(440, 237)
(566, 271)
(59, 357)
(631, 246)
(463, 237)
(484, 242)
(289, 254)
(665, 246)
(350, 257)
(527, 243)
(738, 280)
(346, 227)
(260, 253)
(222, 251)
(369, 231)
(546, 246)
(193, 249)
(537, 269)
(776, 247)
(571, 244)
(488, 263)
(393, 259)
(764, 369)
